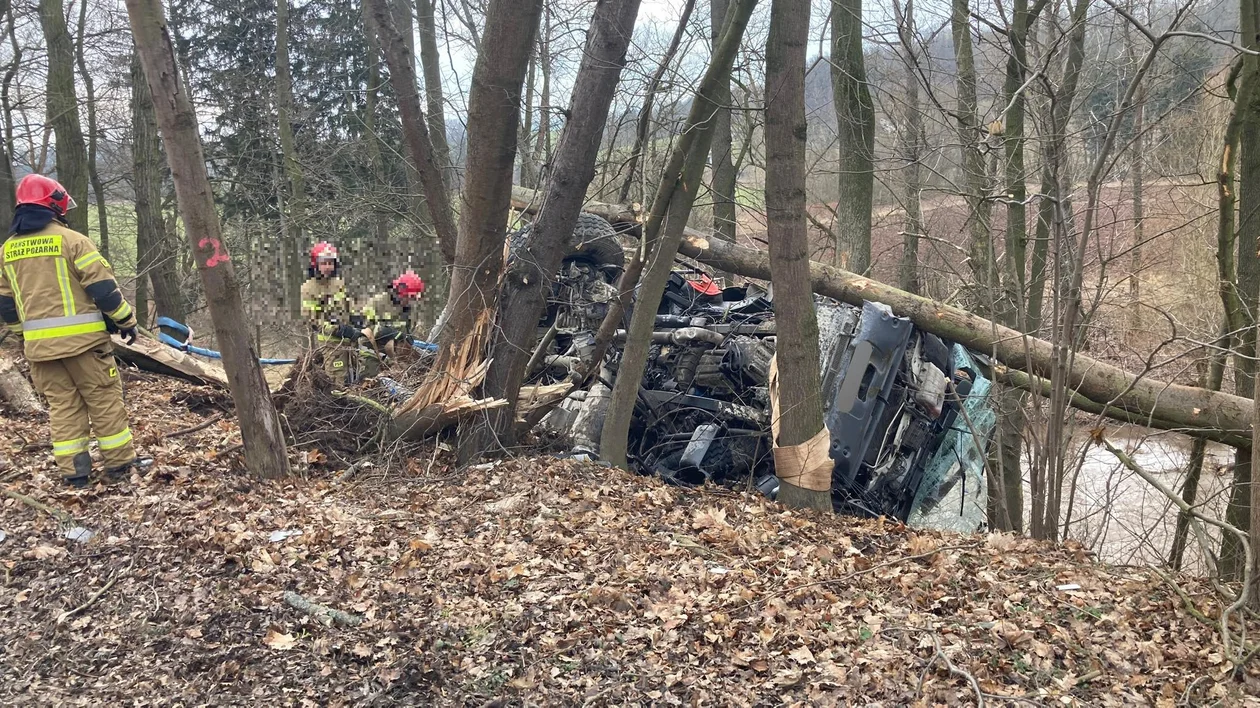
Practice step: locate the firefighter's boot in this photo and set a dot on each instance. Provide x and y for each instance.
(82, 471)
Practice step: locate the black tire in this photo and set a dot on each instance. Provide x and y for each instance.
(593, 239)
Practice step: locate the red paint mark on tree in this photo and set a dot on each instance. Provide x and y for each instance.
(220, 254)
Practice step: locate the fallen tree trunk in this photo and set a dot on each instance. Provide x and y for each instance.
(1100, 387)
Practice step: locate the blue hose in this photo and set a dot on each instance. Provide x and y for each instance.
(170, 341)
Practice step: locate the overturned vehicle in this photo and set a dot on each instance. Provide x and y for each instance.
(908, 413)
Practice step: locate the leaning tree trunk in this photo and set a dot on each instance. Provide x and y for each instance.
(493, 115)
(260, 426)
(89, 93)
(855, 137)
(724, 176)
(296, 216)
(664, 230)
(799, 410)
(402, 75)
(62, 106)
(529, 276)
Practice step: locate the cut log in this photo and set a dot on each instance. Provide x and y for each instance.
(16, 392)
(151, 355)
(1109, 389)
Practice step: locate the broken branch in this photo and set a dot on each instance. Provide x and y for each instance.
(326, 616)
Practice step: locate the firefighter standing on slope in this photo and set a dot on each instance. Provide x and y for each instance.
(59, 295)
(327, 311)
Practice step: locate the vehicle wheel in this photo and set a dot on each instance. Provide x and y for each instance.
(593, 239)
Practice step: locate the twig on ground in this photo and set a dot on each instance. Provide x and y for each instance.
(61, 618)
(954, 669)
(192, 429)
(326, 616)
(230, 449)
(57, 514)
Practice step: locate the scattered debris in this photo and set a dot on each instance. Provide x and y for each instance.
(78, 534)
(278, 536)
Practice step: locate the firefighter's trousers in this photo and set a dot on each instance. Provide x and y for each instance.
(84, 395)
(339, 361)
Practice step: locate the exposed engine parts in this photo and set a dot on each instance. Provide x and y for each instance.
(908, 413)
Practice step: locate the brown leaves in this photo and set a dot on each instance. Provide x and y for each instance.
(279, 640)
(554, 582)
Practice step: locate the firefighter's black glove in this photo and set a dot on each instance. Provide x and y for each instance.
(347, 332)
(128, 334)
(387, 334)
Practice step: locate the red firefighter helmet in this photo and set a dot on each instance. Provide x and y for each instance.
(408, 285)
(44, 191)
(322, 250)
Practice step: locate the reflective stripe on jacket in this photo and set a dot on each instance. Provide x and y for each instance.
(46, 274)
(325, 306)
(381, 312)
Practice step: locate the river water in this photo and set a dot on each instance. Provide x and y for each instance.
(1127, 521)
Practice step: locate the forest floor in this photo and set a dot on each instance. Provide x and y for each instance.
(538, 581)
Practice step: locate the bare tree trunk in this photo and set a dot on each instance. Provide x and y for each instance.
(89, 91)
(1046, 524)
(855, 133)
(7, 183)
(431, 63)
(649, 100)
(62, 105)
(375, 154)
(1210, 379)
(913, 145)
(296, 213)
(1241, 501)
(975, 176)
(800, 402)
(155, 262)
(260, 426)
(493, 117)
(402, 75)
(530, 274)
(542, 145)
(664, 229)
(529, 172)
(724, 176)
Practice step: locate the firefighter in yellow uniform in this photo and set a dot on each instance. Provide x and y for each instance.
(390, 316)
(327, 311)
(60, 297)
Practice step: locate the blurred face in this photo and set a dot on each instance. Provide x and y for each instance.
(327, 266)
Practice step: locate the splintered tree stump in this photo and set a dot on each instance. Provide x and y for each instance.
(16, 392)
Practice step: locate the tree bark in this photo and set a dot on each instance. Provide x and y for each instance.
(855, 137)
(723, 186)
(296, 216)
(402, 75)
(155, 262)
(975, 175)
(493, 117)
(529, 276)
(62, 106)
(265, 453)
(94, 177)
(664, 229)
(649, 100)
(7, 182)
(431, 64)
(913, 145)
(1242, 503)
(371, 99)
(800, 401)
